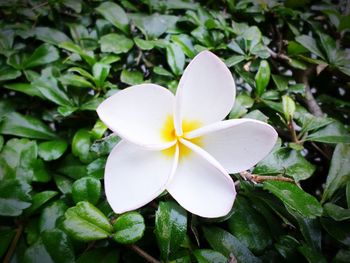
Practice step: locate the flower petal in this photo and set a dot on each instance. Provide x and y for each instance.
(206, 91)
(138, 114)
(135, 176)
(237, 144)
(201, 185)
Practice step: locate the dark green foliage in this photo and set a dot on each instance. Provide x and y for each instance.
(60, 59)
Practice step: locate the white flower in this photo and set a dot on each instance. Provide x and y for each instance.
(180, 143)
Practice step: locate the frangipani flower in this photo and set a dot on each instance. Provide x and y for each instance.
(180, 143)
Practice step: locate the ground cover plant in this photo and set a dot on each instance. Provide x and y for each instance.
(60, 59)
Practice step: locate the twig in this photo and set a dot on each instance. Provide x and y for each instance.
(311, 102)
(261, 178)
(279, 56)
(143, 254)
(13, 245)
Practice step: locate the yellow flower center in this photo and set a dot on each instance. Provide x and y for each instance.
(168, 133)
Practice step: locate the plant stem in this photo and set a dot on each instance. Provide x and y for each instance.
(292, 132)
(13, 245)
(261, 178)
(143, 254)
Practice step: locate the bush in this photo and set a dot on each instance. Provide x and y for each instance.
(60, 59)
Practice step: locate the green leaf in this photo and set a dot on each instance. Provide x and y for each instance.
(288, 107)
(170, 227)
(7, 235)
(14, 197)
(144, 44)
(280, 81)
(311, 255)
(185, 42)
(81, 144)
(25, 88)
(115, 43)
(285, 161)
(52, 150)
(340, 232)
(88, 56)
(44, 54)
(25, 126)
(310, 44)
(131, 77)
(175, 58)
(8, 73)
(39, 199)
(96, 168)
(86, 189)
(75, 81)
(209, 256)
(336, 212)
(104, 146)
(249, 226)
(53, 246)
(339, 171)
(72, 167)
(295, 198)
(58, 246)
(115, 15)
(332, 133)
(262, 77)
(51, 215)
(50, 35)
(48, 87)
(234, 60)
(85, 222)
(100, 72)
(225, 243)
(154, 25)
(129, 228)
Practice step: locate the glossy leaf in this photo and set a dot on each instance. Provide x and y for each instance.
(209, 256)
(295, 198)
(114, 14)
(262, 77)
(115, 43)
(52, 150)
(129, 228)
(86, 189)
(175, 58)
(170, 227)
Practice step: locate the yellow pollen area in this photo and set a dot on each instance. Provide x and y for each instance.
(168, 134)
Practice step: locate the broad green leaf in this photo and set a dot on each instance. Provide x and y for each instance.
(234, 60)
(249, 226)
(129, 228)
(88, 56)
(85, 222)
(170, 227)
(340, 232)
(295, 198)
(96, 168)
(280, 81)
(175, 58)
(53, 246)
(225, 243)
(185, 42)
(312, 255)
(72, 167)
(209, 256)
(131, 77)
(104, 146)
(332, 133)
(25, 88)
(162, 72)
(253, 36)
(114, 14)
(336, 212)
(100, 72)
(285, 161)
(329, 46)
(63, 184)
(44, 54)
(75, 81)
(49, 88)
(39, 199)
(287, 246)
(339, 171)
(51, 215)
(14, 196)
(52, 150)
(8, 73)
(115, 43)
(262, 77)
(311, 44)
(86, 189)
(154, 25)
(25, 126)
(144, 44)
(50, 35)
(81, 144)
